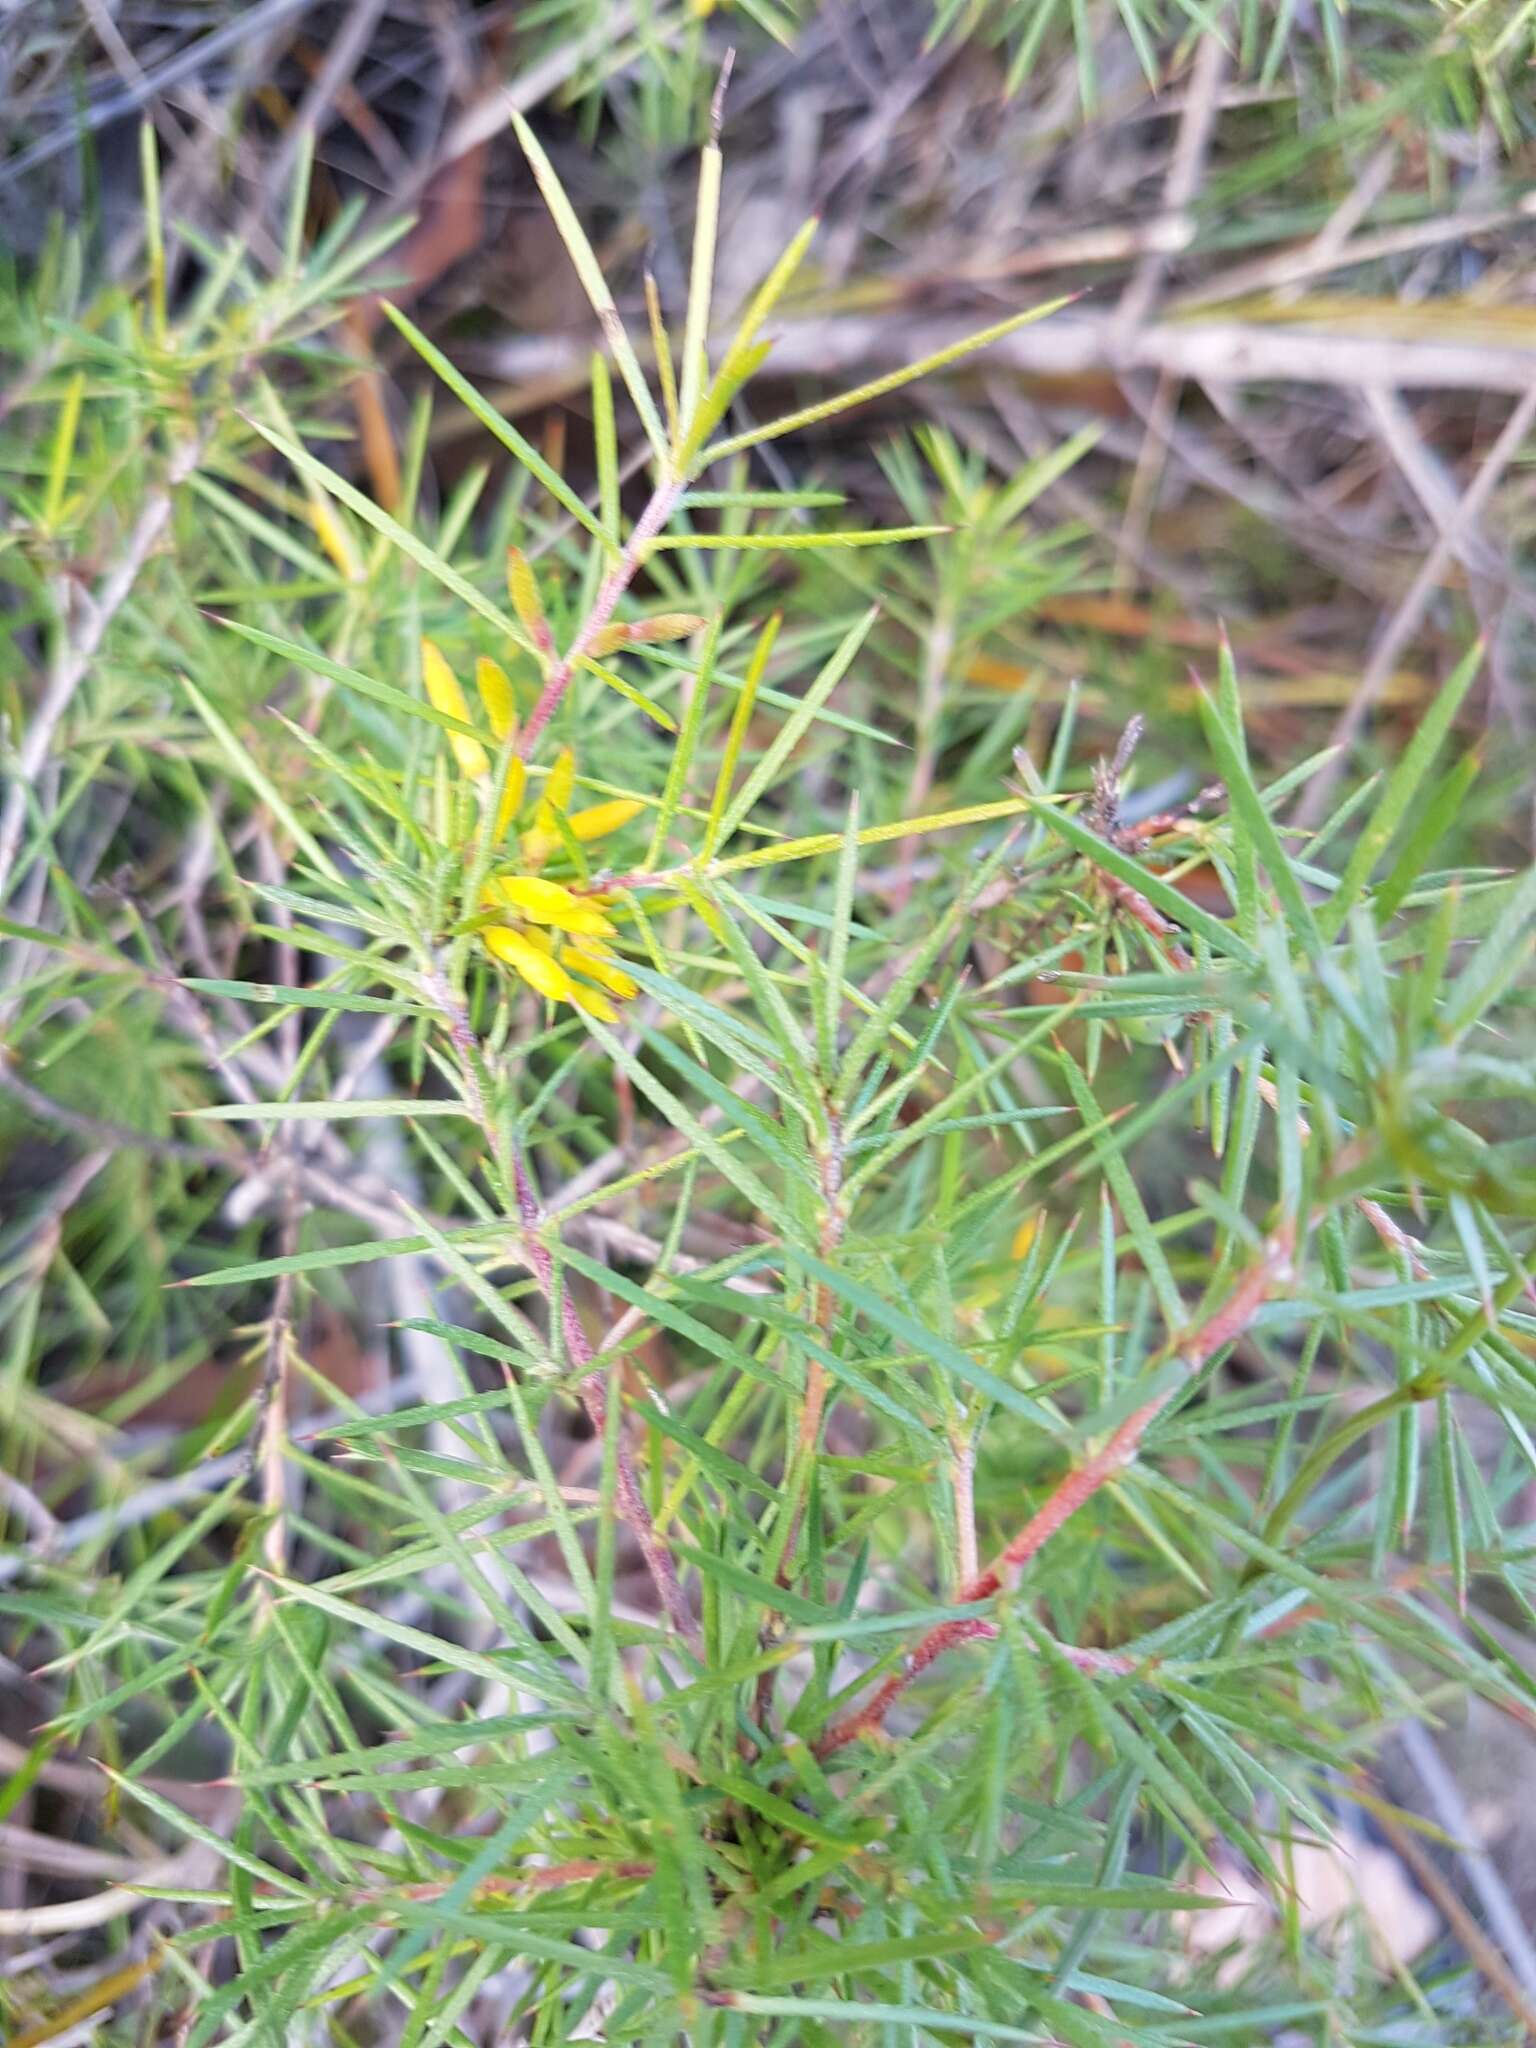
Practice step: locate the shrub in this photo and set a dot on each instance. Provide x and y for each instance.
(945, 1323)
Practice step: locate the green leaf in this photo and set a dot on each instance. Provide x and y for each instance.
(683, 753)
(789, 735)
(407, 542)
(771, 543)
(1108, 1150)
(337, 1255)
(916, 1337)
(301, 998)
(256, 778)
(325, 1112)
(503, 429)
(764, 1593)
(740, 718)
(594, 284)
(1402, 791)
(828, 408)
(1252, 818)
(706, 221)
(1496, 962)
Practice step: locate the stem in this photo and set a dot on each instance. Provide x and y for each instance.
(658, 511)
(594, 1398)
(545, 1877)
(938, 654)
(1219, 1330)
(833, 1222)
(1071, 1493)
(1426, 1387)
(112, 594)
(962, 1480)
(272, 1422)
(594, 1394)
(813, 1411)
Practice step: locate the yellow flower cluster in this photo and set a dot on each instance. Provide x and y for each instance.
(556, 944)
(550, 937)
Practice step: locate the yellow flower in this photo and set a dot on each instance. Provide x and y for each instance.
(550, 937)
(556, 942)
(496, 695)
(1026, 1234)
(556, 945)
(545, 835)
(598, 820)
(541, 902)
(444, 694)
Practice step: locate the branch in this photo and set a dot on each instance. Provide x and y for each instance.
(1071, 1493)
(112, 595)
(543, 1877)
(833, 1222)
(1220, 349)
(834, 1218)
(594, 1394)
(658, 511)
(594, 1398)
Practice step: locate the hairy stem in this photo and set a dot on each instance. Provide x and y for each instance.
(658, 511)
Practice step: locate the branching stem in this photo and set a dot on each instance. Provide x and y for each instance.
(594, 1398)
(658, 511)
(1070, 1494)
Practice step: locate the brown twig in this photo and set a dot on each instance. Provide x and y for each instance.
(1448, 1808)
(97, 1130)
(1483, 1952)
(1151, 920)
(272, 1408)
(1134, 308)
(1104, 816)
(962, 1484)
(1401, 625)
(192, 1865)
(1077, 343)
(1326, 251)
(18, 1499)
(486, 117)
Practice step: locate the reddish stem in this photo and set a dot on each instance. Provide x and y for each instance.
(594, 1398)
(1072, 1492)
(658, 511)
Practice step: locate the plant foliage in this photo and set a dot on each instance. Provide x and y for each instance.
(976, 1367)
